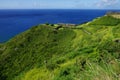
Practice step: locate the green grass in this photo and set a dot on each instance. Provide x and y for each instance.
(106, 20)
(87, 52)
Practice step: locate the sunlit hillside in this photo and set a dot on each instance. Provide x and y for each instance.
(90, 51)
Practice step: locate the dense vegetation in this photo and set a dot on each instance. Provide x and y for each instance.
(106, 20)
(49, 52)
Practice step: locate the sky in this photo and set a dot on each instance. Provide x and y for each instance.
(59, 4)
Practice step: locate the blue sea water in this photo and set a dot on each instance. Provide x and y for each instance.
(13, 22)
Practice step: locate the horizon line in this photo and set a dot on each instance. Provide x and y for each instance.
(53, 9)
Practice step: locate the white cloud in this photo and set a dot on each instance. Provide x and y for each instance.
(106, 3)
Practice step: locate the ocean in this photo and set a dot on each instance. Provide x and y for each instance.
(13, 22)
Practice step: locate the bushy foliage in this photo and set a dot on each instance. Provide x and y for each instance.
(46, 53)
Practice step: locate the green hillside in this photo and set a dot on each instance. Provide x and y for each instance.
(51, 52)
(106, 20)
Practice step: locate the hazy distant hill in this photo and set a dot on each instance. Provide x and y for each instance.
(114, 14)
(51, 52)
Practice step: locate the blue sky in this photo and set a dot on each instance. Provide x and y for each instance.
(59, 4)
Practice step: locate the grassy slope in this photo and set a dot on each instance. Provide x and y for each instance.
(106, 20)
(87, 52)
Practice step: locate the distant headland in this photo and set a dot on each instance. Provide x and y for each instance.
(113, 14)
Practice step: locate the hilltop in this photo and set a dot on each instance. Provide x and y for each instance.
(89, 51)
(114, 14)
